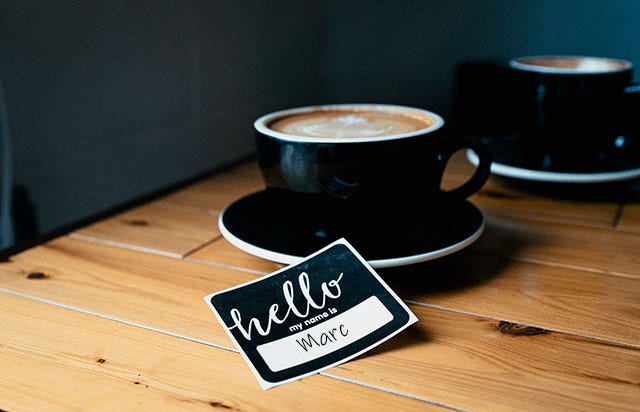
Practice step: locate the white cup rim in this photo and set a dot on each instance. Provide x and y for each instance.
(261, 123)
(520, 63)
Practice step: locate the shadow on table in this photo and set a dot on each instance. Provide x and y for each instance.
(461, 270)
(481, 262)
(455, 273)
(623, 191)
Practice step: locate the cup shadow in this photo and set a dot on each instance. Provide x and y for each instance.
(474, 266)
(621, 191)
(479, 264)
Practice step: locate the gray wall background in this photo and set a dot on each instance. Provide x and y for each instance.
(407, 51)
(111, 100)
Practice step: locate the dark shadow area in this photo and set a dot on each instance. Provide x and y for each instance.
(478, 264)
(482, 98)
(460, 270)
(621, 191)
(465, 269)
(24, 215)
(605, 182)
(472, 267)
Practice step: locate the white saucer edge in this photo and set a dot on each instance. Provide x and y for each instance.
(376, 264)
(254, 250)
(555, 177)
(423, 257)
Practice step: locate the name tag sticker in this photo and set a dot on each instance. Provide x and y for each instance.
(311, 316)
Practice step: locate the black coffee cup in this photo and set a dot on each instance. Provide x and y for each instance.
(358, 160)
(575, 113)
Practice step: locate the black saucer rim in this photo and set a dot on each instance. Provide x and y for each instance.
(284, 257)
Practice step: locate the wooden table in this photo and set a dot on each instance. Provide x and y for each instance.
(541, 313)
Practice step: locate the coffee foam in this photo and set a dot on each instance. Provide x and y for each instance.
(584, 65)
(351, 123)
(573, 64)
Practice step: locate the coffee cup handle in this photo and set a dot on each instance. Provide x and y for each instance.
(632, 94)
(632, 88)
(630, 107)
(480, 175)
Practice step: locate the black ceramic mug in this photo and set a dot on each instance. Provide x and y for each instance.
(576, 113)
(358, 160)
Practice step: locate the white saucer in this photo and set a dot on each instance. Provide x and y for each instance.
(271, 227)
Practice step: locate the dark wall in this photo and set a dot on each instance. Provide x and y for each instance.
(408, 52)
(110, 100)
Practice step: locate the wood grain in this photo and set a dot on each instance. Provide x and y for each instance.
(222, 252)
(550, 297)
(524, 272)
(518, 198)
(630, 218)
(246, 172)
(444, 350)
(482, 364)
(66, 360)
(124, 284)
(556, 298)
(155, 227)
(541, 313)
(589, 248)
(211, 195)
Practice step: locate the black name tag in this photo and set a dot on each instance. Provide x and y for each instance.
(311, 316)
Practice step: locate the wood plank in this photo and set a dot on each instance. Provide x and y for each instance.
(66, 360)
(482, 364)
(559, 297)
(504, 284)
(499, 200)
(124, 284)
(246, 172)
(597, 249)
(503, 196)
(211, 195)
(550, 297)
(156, 228)
(222, 252)
(181, 221)
(114, 281)
(573, 343)
(630, 218)
(447, 358)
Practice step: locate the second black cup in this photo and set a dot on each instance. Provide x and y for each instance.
(575, 113)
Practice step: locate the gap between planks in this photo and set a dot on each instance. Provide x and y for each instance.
(185, 256)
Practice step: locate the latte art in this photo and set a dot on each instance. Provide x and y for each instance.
(353, 123)
(344, 126)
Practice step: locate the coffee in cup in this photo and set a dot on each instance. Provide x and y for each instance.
(349, 123)
(360, 160)
(575, 113)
